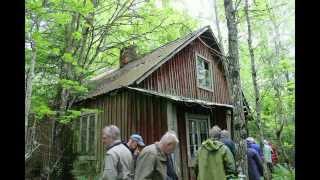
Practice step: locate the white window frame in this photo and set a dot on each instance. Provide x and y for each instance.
(86, 156)
(199, 117)
(210, 69)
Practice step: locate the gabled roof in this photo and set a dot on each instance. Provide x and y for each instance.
(138, 70)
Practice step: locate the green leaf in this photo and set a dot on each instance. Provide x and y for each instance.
(60, 18)
(40, 107)
(67, 57)
(69, 116)
(55, 51)
(77, 35)
(73, 86)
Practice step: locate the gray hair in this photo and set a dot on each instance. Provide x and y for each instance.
(169, 137)
(225, 134)
(112, 131)
(214, 132)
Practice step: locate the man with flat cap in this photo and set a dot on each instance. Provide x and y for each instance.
(134, 144)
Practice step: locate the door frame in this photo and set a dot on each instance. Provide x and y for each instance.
(194, 116)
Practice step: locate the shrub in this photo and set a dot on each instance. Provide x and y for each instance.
(283, 172)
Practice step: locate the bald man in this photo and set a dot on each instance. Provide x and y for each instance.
(154, 161)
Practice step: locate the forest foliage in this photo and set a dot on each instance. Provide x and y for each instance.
(69, 42)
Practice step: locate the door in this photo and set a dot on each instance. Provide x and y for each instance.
(197, 128)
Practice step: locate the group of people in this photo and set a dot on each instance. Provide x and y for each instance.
(256, 156)
(123, 160)
(215, 158)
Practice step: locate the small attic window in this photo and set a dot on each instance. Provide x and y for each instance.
(204, 73)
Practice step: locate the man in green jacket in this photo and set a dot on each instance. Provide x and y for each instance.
(154, 161)
(214, 160)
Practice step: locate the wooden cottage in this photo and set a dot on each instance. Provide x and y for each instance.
(179, 86)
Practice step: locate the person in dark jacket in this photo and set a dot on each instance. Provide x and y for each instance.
(252, 142)
(134, 144)
(255, 167)
(226, 139)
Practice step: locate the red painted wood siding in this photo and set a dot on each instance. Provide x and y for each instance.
(217, 117)
(132, 112)
(178, 76)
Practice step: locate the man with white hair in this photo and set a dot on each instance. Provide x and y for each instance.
(154, 161)
(118, 159)
(252, 143)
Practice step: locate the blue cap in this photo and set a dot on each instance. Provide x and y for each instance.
(138, 139)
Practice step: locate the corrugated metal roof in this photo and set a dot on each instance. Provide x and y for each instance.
(134, 71)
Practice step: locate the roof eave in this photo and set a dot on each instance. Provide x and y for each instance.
(179, 98)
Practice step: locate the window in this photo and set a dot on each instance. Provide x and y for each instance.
(197, 132)
(204, 74)
(87, 137)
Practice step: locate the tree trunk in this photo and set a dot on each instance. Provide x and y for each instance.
(28, 91)
(238, 114)
(266, 173)
(217, 22)
(29, 85)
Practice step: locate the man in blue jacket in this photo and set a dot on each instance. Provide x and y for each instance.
(253, 144)
(255, 167)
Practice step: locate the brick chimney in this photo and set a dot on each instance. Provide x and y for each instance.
(127, 55)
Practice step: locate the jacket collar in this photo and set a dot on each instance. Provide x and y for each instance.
(162, 156)
(115, 143)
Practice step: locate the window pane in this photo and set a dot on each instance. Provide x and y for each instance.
(204, 73)
(198, 132)
(200, 71)
(191, 134)
(192, 151)
(196, 135)
(206, 65)
(91, 134)
(191, 127)
(83, 134)
(208, 79)
(204, 127)
(195, 147)
(193, 137)
(204, 131)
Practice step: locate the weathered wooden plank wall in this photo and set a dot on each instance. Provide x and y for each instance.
(217, 117)
(178, 76)
(132, 112)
